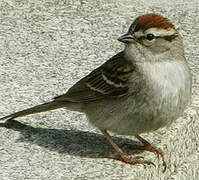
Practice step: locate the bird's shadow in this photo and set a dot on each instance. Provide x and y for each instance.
(74, 142)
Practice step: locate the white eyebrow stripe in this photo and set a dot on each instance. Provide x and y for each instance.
(139, 34)
(160, 32)
(156, 32)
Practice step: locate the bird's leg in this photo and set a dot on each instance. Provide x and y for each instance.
(123, 156)
(152, 148)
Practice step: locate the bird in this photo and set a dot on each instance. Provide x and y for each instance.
(144, 87)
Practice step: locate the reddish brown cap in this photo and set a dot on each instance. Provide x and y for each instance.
(147, 21)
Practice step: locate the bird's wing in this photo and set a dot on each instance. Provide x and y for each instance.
(108, 80)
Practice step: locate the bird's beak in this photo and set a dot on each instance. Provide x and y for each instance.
(126, 38)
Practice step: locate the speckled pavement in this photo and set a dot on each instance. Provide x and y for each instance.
(45, 47)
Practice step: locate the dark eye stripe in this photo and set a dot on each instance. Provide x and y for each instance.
(168, 38)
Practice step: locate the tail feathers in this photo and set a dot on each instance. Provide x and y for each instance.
(36, 109)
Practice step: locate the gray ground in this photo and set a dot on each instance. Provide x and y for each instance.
(45, 47)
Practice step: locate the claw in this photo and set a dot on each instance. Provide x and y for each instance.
(130, 160)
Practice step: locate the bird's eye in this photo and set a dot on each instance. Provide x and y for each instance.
(150, 37)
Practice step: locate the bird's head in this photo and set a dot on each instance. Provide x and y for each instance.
(152, 33)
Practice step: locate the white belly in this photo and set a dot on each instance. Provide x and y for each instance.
(170, 84)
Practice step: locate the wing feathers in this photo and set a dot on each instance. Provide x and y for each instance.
(108, 80)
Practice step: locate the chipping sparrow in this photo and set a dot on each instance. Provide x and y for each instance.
(141, 89)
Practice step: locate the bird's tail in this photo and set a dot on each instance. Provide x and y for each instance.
(36, 109)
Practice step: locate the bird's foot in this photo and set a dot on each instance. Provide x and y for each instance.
(121, 156)
(149, 147)
(131, 160)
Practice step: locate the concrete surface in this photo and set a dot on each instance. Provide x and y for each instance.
(45, 47)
